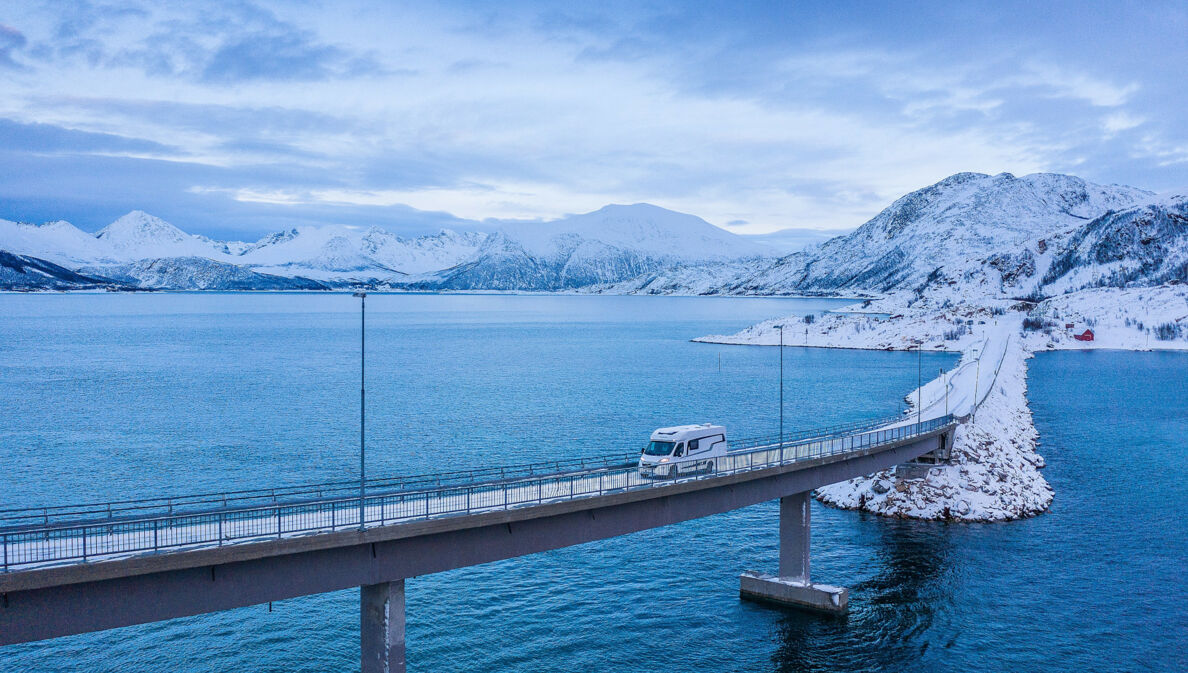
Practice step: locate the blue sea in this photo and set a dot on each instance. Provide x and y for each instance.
(127, 395)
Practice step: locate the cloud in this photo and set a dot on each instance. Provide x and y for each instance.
(1064, 82)
(763, 116)
(11, 40)
(17, 136)
(222, 43)
(1120, 121)
(280, 55)
(101, 188)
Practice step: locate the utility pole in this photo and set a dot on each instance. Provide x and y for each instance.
(362, 406)
(781, 329)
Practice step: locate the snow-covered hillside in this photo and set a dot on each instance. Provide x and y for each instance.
(949, 228)
(25, 273)
(1143, 318)
(350, 253)
(607, 246)
(199, 273)
(643, 229)
(984, 235)
(139, 235)
(702, 278)
(610, 245)
(969, 237)
(1145, 245)
(59, 242)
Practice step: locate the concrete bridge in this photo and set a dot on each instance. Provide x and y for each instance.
(75, 569)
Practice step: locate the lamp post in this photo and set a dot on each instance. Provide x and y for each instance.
(946, 383)
(781, 329)
(919, 381)
(973, 412)
(362, 406)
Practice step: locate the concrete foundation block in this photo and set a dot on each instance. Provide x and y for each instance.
(792, 592)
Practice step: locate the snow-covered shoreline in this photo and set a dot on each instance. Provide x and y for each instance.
(994, 472)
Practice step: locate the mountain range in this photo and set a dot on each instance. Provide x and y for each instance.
(974, 234)
(608, 245)
(990, 235)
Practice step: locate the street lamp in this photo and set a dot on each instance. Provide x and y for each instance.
(946, 383)
(362, 407)
(919, 381)
(781, 329)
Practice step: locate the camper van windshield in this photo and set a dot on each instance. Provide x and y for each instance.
(659, 448)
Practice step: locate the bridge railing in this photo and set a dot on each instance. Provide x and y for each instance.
(167, 506)
(27, 547)
(202, 502)
(814, 433)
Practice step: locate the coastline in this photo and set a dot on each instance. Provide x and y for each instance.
(994, 472)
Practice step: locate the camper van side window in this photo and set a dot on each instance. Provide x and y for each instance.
(692, 445)
(680, 450)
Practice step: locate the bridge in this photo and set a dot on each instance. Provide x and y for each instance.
(80, 568)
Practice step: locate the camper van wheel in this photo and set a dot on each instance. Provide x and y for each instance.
(709, 467)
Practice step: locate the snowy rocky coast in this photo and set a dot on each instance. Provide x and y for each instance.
(995, 471)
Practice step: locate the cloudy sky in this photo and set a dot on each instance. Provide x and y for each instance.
(239, 118)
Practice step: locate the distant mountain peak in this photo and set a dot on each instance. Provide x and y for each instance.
(139, 235)
(137, 227)
(643, 229)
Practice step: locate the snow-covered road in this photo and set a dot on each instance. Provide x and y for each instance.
(961, 389)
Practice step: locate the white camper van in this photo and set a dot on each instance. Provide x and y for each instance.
(683, 449)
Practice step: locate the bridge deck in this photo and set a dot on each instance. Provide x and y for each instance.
(201, 562)
(29, 547)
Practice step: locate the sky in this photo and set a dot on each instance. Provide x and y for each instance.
(235, 119)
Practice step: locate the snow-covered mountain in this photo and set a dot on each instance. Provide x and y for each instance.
(199, 273)
(134, 236)
(969, 234)
(643, 229)
(59, 242)
(334, 253)
(139, 235)
(972, 232)
(25, 273)
(948, 228)
(347, 253)
(1144, 245)
(609, 245)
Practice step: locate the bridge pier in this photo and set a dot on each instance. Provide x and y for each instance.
(381, 634)
(792, 587)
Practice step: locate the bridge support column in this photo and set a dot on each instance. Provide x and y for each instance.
(792, 587)
(382, 627)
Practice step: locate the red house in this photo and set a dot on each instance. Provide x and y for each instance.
(1087, 335)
